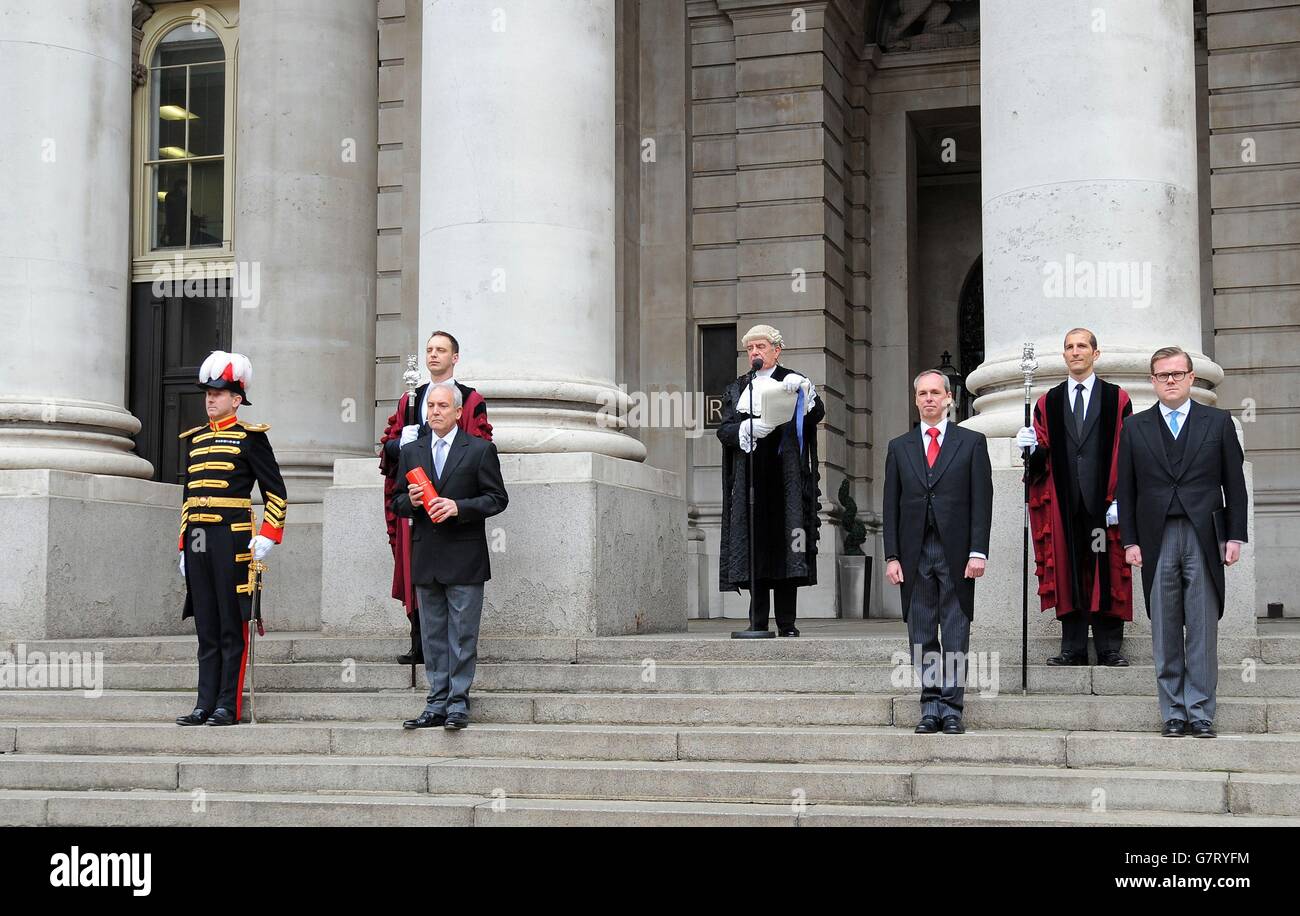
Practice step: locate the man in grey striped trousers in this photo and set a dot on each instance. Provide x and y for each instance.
(1183, 509)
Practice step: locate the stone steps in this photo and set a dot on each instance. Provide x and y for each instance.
(1102, 789)
(875, 649)
(1112, 713)
(645, 730)
(786, 745)
(1257, 680)
(160, 808)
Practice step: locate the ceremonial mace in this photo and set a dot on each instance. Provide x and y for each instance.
(1028, 364)
(411, 378)
(256, 567)
(752, 633)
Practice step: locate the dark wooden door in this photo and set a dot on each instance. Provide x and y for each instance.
(171, 335)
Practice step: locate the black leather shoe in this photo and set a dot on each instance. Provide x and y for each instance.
(425, 720)
(1113, 659)
(1202, 728)
(1068, 660)
(411, 658)
(456, 721)
(222, 716)
(198, 717)
(952, 726)
(1174, 728)
(928, 725)
(793, 631)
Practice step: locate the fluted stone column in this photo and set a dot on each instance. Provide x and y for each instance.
(68, 477)
(65, 76)
(1088, 127)
(517, 213)
(305, 205)
(1088, 140)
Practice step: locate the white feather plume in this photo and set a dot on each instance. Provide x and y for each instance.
(215, 365)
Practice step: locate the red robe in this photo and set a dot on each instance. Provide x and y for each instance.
(1052, 536)
(474, 421)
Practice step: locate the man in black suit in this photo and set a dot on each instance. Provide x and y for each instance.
(1182, 515)
(938, 514)
(449, 551)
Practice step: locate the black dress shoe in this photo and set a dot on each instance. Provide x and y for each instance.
(1174, 728)
(793, 631)
(1202, 728)
(456, 721)
(222, 716)
(1068, 660)
(411, 658)
(952, 726)
(198, 717)
(1113, 659)
(928, 725)
(425, 720)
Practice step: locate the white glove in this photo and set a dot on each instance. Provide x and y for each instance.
(261, 546)
(794, 382)
(182, 563)
(409, 435)
(751, 431)
(1027, 438)
(1112, 514)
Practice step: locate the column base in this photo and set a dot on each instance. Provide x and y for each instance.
(88, 555)
(85, 437)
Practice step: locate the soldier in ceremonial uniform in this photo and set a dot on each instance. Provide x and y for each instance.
(217, 543)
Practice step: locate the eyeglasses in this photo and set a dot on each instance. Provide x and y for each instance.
(1169, 376)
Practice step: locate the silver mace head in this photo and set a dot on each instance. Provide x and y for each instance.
(1028, 362)
(411, 377)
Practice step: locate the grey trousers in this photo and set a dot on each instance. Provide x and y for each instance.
(1183, 596)
(934, 605)
(449, 621)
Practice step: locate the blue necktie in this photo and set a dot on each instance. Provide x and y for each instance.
(439, 455)
(1173, 423)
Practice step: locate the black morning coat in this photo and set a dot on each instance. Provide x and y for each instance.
(959, 488)
(1211, 470)
(455, 551)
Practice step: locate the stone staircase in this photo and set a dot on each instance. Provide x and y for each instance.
(691, 729)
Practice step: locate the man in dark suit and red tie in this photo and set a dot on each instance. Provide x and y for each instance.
(1183, 507)
(938, 510)
(449, 550)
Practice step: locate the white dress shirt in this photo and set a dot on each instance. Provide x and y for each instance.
(1182, 410)
(1087, 384)
(942, 426)
(433, 447)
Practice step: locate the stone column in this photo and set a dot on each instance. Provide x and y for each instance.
(1088, 133)
(65, 75)
(305, 216)
(517, 213)
(67, 473)
(1088, 124)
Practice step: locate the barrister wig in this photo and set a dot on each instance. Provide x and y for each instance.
(763, 332)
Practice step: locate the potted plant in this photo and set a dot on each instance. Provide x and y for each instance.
(852, 563)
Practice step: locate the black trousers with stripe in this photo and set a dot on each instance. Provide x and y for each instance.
(213, 576)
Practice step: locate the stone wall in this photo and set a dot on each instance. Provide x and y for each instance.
(1254, 72)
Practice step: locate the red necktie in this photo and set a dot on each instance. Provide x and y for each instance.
(932, 453)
